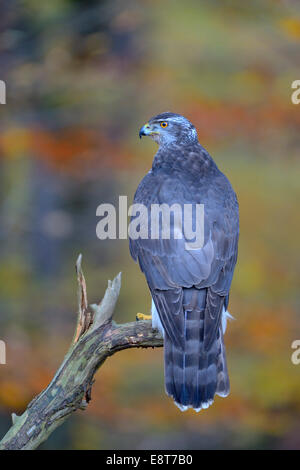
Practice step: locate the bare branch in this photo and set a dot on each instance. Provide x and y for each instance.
(104, 311)
(84, 317)
(96, 338)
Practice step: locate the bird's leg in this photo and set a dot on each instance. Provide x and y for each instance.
(142, 316)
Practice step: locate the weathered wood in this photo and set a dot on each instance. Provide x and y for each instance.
(96, 338)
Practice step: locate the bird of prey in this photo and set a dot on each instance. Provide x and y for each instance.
(189, 287)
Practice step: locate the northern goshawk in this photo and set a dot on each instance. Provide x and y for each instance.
(189, 287)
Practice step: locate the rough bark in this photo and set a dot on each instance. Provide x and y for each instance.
(96, 338)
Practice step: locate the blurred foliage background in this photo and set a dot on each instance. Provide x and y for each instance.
(82, 76)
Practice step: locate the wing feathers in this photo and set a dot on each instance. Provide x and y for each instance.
(190, 287)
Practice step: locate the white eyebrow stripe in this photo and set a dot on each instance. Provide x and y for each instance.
(177, 119)
(171, 119)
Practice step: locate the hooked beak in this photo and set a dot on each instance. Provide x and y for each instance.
(145, 130)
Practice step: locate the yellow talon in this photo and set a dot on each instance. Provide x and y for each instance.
(142, 316)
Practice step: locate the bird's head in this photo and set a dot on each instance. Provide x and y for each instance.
(167, 128)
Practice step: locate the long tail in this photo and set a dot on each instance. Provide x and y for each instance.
(193, 375)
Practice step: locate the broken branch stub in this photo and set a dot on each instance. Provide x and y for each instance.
(85, 318)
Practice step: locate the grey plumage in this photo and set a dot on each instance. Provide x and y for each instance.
(190, 288)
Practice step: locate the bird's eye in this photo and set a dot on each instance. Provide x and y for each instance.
(164, 124)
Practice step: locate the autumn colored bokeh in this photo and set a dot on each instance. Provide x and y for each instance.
(82, 76)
